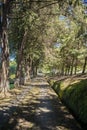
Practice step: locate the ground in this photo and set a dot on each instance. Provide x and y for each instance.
(35, 107)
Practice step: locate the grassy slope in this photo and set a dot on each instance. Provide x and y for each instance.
(73, 91)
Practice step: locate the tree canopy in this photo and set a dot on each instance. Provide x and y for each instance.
(49, 34)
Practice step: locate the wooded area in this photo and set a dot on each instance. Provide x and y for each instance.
(45, 35)
(45, 38)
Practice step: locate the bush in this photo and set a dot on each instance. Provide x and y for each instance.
(11, 86)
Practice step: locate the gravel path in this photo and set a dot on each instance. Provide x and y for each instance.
(40, 109)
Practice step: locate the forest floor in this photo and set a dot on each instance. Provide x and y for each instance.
(35, 107)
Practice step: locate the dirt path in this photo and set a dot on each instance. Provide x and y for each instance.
(40, 109)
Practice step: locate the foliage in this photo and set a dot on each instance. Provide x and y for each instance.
(12, 68)
(49, 23)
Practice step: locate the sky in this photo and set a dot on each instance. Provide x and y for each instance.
(85, 1)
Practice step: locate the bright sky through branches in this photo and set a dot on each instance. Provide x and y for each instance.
(85, 1)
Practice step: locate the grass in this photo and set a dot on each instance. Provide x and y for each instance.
(73, 91)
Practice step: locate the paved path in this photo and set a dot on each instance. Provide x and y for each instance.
(39, 110)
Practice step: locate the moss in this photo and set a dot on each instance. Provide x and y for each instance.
(74, 94)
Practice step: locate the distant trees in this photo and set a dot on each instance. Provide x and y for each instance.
(68, 31)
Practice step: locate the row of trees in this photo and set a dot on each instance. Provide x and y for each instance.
(23, 25)
(41, 33)
(69, 52)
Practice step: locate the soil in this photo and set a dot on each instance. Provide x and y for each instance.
(36, 107)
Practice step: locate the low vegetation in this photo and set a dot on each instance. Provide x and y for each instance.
(73, 92)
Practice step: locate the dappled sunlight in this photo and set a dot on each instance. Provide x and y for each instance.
(39, 83)
(71, 81)
(43, 109)
(5, 95)
(40, 109)
(24, 124)
(62, 128)
(65, 84)
(41, 39)
(16, 91)
(5, 101)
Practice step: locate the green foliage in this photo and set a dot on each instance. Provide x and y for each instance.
(74, 94)
(11, 86)
(12, 72)
(59, 22)
(12, 67)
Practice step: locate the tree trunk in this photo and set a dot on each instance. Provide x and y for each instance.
(5, 62)
(84, 66)
(68, 70)
(19, 70)
(27, 72)
(5, 51)
(72, 66)
(76, 66)
(62, 69)
(36, 70)
(32, 68)
(21, 74)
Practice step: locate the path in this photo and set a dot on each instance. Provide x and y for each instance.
(40, 109)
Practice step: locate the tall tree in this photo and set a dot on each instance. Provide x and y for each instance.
(5, 48)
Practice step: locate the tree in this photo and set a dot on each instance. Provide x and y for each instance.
(5, 49)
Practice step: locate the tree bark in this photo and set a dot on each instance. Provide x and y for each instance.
(5, 62)
(68, 70)
(72, 65)
(84, 66)
(62, 69)
(27, 71)
(5, 51)
(19, 70)
(76, 66)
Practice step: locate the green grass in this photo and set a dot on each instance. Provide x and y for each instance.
(73, 91)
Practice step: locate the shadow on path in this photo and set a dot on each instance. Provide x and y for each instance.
(40, 110)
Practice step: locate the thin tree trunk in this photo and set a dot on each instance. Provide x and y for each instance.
(84, 66)
(36, 70)
(66, 71)
(72, 66)
(76, 66)
(32, 67)
(21, 76)
(62, 69)
(33, 70)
